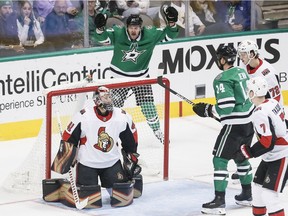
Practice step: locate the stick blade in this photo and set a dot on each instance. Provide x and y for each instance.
(82, 204)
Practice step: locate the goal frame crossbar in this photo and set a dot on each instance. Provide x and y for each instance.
(89, 88)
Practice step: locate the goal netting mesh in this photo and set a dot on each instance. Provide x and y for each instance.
(61, 104)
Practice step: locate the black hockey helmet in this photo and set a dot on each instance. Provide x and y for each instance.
(134, 19)
(227, 52)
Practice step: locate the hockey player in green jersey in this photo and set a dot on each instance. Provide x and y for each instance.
(234, 110)
(133, 49)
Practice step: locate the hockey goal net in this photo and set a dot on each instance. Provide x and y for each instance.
(61, 104)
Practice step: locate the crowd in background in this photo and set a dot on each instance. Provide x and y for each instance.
(37, 26)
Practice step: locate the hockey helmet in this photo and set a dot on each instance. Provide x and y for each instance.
(257, 85)
(102, 98)
(247, 46)
(134, 19)
(228, 53)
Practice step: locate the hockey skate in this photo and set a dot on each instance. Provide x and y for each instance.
(215, 207)
(159, 135)
(245, 198)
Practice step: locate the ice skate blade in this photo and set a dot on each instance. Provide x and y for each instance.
(244, 203)
(213, 211)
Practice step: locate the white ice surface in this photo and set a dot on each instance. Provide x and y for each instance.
(190, 181)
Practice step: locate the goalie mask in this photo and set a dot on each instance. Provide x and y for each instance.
(257, 85)
(103, 98)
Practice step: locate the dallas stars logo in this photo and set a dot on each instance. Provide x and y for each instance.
(132, 54)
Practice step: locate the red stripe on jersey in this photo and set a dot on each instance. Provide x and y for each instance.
(277, 213)
(259, 210)
(253, 70)
(278, 98)
(65, 136)
(281, 141)
(83, 140)
(266, 141)
(103, 118)
(280, 173)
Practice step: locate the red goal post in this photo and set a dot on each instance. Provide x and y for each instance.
(91, 87)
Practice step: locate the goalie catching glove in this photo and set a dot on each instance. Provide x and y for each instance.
(100, 20)
(171, 14)
(203, 109)
(130, 165)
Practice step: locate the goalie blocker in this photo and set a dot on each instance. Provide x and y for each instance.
(59, 190)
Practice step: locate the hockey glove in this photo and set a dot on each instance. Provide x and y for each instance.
(100, 20)
(243, 154)
(170, 13)
(130, 165)
(203, 109)
(246, 151)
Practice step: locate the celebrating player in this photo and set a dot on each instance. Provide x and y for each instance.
(96, 131)
(272, 146)
(133, 48)
(234, 111)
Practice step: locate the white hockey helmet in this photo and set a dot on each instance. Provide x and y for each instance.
(102, 98)
(247, 46)
(258, 85)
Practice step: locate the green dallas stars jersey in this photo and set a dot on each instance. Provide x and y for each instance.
(131, 58)
(232, 103)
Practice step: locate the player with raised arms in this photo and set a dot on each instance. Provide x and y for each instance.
(133, 49)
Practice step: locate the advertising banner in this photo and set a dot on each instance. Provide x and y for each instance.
(190, 66)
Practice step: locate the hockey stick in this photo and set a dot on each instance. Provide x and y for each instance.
(160, 82)
(79, 205)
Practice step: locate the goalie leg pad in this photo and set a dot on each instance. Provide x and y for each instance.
(59, 190)
(138, 186)
(51, 190)
(93, 192)
(122, 194)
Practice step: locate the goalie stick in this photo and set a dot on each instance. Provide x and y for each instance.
(79, 205)
(160, 82)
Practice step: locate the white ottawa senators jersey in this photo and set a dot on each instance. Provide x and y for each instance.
(268, 117)
(269, 73)
(98, 136)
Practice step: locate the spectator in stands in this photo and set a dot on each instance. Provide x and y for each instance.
(193, 19)
(29, 30)
(91, 16)
(110, 8)
(138, 7)
(60, 29)
(9, 41)
(236, 13)
(43, 7)
(206, 11)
